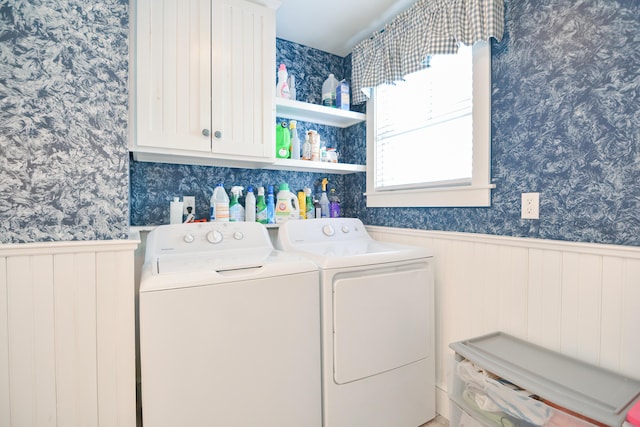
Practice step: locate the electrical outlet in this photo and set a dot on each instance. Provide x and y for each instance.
(530, 205)
(189, 201)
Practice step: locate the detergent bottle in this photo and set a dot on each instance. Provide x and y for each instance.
(324, 200)
(236, 211)
(286, 205)
(271, 206)
(283, 141)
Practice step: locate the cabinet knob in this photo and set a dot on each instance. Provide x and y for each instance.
(218, 134)
(206, 132)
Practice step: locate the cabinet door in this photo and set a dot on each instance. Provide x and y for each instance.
(243, 79)
(173, 74)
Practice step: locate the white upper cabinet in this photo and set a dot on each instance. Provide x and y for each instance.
(204, 82)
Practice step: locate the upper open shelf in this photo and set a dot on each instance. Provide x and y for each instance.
(320, 114)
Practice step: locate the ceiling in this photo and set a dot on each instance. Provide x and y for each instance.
(335, 26)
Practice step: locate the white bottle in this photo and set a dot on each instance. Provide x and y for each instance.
(250, 205)
(295, 141)
(175, 211)
(219, 205)
(282, 88)
(329, 91)
(306, 148)
(292, 87)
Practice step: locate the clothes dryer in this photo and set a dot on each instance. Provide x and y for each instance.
(377, 307)
(229, 330)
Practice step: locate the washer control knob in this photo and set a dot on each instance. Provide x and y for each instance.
(188, 238)
(328, 230)
(214, 236)
(238, 235)
(345, 229)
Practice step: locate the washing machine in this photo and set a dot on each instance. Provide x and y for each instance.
(377, 309)
(229, 330)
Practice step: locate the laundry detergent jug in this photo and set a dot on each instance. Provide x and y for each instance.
(286, 205)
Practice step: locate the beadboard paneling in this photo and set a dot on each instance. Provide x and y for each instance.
(67, 334)
(580, 299)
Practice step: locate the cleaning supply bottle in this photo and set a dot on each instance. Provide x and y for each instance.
(329, 91)
(295, 141)
(271, 206)
(282, 88)
(175, 211)
(261, 207)
(219, 204)
(324, 200)
(314, 139)
(306, 148)
(283, 140)
(334, 204)
(302, 204)
(250, 205)
(286, 205)
(291, 81)
(236, 211)
(309, 204)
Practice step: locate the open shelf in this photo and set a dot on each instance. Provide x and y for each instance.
(320, 114)
(319, 167)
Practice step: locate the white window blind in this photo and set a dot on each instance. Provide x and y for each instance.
(424, 126)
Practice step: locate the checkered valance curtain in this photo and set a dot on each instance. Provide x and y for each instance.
(429, 27)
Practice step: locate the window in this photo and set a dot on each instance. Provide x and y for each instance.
(428, 138)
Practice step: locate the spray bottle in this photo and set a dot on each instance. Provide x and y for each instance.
(261, 207)
(236, 211)
(324, 200)
(309, 204)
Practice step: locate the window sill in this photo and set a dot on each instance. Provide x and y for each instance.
(468, 196)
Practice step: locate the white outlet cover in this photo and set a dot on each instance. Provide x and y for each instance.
(530, 207)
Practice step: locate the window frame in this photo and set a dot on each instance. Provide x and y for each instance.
(478, 192)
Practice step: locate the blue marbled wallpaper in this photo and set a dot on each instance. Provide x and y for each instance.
(565, 123)
(153, 185)
(63, 120)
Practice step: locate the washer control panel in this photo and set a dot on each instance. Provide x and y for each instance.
(207, 236)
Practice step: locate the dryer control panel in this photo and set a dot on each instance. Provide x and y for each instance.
(323, 230)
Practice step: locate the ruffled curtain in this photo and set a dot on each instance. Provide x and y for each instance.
(429, 27)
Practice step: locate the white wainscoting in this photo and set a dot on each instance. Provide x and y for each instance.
(67, 334)
(580, 299)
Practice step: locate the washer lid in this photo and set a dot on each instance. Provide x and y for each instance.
(214, 261)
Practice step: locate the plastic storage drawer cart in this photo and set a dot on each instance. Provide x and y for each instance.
(503, 381)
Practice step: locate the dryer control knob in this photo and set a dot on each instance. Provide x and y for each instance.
(214, 236)
(188, 238)
(238, 235)
(345, 229)
(328, 230)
